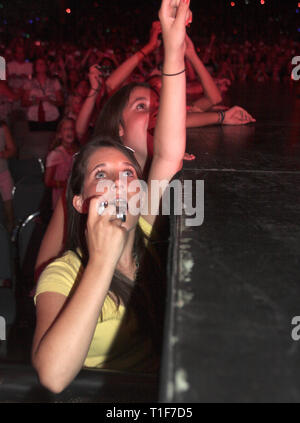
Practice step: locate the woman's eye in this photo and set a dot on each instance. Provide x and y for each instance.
(100, 174)
(141, 106)
(128, 172)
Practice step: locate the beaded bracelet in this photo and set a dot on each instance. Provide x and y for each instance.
(221, 117)
(173, 74)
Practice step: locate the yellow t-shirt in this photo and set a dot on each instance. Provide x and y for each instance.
(116, 344)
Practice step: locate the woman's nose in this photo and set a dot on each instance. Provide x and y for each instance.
(119, 183)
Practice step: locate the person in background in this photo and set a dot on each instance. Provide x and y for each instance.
(42, 96)
(19, 71)
(59, 160)
(7, 150)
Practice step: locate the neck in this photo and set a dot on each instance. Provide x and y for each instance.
(67, 146)
(126, 263)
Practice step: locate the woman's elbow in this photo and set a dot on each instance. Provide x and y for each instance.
(49, 380)
(51, 384)
(217, 99)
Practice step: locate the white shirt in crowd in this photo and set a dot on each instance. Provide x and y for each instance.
(36, 90)
(18, 73)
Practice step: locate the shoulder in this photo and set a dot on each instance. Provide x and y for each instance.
(145, 226)
(60, 275)
(54, 157)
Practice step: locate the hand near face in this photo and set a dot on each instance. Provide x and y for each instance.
(105, 235)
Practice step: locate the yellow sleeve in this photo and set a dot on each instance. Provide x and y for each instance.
(145, 226)
(60, 275)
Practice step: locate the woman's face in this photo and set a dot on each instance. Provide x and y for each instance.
(76, 104)
(67, 132)
(139, 120)
(40, 66)
(109, 174)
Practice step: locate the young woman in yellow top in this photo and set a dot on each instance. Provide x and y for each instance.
(68, 323)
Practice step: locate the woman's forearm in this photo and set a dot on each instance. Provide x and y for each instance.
(61, 352)
(120, 75)
(196, 119)
(84, 116)
(169, 140)
(210, 89)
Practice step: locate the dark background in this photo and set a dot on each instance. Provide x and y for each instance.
(248, 19)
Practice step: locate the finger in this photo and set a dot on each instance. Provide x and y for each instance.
(93, 204)
(183, 13)
(98, 205)
(189, 19)
(188, 156)
(106, 210)
(117, 222)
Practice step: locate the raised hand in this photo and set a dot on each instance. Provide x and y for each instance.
(106, 237)
(154, 42)
(95, 77)
(174, 15)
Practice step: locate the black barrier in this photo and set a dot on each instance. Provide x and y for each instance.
(19, 384)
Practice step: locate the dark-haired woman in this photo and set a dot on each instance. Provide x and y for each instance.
(79, 312)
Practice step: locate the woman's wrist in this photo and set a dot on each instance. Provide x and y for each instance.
(147, 49)
(221, 117)
(142, 54)
(99, 262)
(173, 66)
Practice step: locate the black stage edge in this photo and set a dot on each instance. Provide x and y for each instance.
(19, 384)
(234, 281)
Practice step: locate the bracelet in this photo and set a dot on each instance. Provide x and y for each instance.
(221, 117)
(173, 74)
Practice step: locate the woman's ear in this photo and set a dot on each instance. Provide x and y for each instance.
(121, 130)
(78, 203)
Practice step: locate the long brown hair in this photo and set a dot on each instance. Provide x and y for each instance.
(111, 116)
(139, 296)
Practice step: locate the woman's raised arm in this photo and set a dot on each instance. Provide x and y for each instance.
(170, 130)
